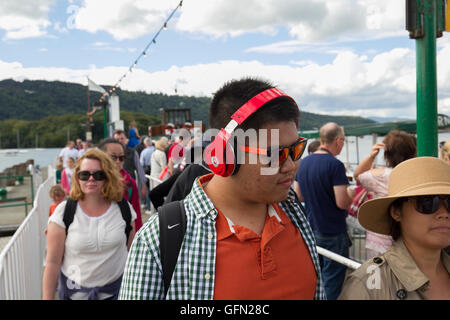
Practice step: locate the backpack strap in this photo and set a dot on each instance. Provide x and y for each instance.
(71, 207)
(126, 215)
(69, 212)
(172, 227)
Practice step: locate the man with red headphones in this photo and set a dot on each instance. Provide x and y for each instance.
(247, 236)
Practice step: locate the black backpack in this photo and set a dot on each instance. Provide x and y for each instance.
(172, 227)
(71, 207)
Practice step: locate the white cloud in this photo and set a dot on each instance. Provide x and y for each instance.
(24, 19)
(351, 84)
(126, 19)
(307, 20)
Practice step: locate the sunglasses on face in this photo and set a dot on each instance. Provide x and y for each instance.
(295, 151)
(115, 158)
(99, 175)
(430, 204)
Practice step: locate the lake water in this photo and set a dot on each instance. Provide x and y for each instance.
(42, 157)
(45, 157)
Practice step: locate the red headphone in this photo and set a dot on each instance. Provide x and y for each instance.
(220, 155)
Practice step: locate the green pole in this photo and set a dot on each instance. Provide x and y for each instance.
(427, 131)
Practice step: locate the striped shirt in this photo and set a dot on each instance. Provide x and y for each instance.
(193, 277)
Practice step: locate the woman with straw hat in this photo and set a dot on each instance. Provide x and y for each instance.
(416, 213)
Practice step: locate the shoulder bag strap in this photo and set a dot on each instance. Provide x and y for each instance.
(172, 227)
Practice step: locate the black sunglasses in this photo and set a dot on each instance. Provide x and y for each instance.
(115, 158)
(98, 175)
(430, 204)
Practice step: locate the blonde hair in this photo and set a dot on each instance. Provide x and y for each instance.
(445, 151)
(161, 144)
(59, 165)
(113, 187)
(55, 190)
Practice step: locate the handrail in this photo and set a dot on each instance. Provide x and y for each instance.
(342, 260)
(21, 261)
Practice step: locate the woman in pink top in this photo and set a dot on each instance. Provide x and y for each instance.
(398, 146)
(66, 175)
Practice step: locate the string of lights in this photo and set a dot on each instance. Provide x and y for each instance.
(144, 53)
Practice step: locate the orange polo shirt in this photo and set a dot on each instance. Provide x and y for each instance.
(274, 265)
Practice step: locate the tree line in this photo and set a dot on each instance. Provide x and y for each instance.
(45, 114)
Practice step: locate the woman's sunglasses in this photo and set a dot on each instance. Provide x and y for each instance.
(295, 150)
(430, 204)
(98, 175)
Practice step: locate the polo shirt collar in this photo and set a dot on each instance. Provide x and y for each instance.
(227, 226)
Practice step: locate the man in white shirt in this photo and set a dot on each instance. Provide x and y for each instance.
(68, 152)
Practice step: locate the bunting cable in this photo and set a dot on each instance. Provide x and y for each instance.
(143, 53)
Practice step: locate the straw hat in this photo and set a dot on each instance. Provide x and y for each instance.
(413, 177)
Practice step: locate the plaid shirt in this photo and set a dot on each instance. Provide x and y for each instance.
(193, 277)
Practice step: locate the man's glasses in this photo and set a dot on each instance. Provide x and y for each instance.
(98, 175)
(430, 204)
(115, 158)
(295, 150)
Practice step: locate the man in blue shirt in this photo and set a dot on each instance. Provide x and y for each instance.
(146, 154)
(323, 187)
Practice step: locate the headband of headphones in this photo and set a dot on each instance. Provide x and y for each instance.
(216, 162)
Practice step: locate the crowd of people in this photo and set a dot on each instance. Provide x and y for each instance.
(247, 232)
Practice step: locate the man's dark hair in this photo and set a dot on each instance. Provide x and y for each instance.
(313, 146)
(106, 141)
(119, 131)
(235, 93)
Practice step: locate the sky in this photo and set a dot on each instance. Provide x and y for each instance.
(335, 57)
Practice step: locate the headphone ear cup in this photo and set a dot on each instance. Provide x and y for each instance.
(219, 158)
(212, 160)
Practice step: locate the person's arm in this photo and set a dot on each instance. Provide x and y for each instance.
(135, 203)
(367, 163)
(298, 192)
(142, 158)
(56, 238)
(170, 166)
(344, 196)
(140, 174)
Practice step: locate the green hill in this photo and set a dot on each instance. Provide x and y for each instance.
(47, 113)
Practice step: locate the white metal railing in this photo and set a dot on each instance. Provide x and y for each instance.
(21, 261)
(342, 260)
